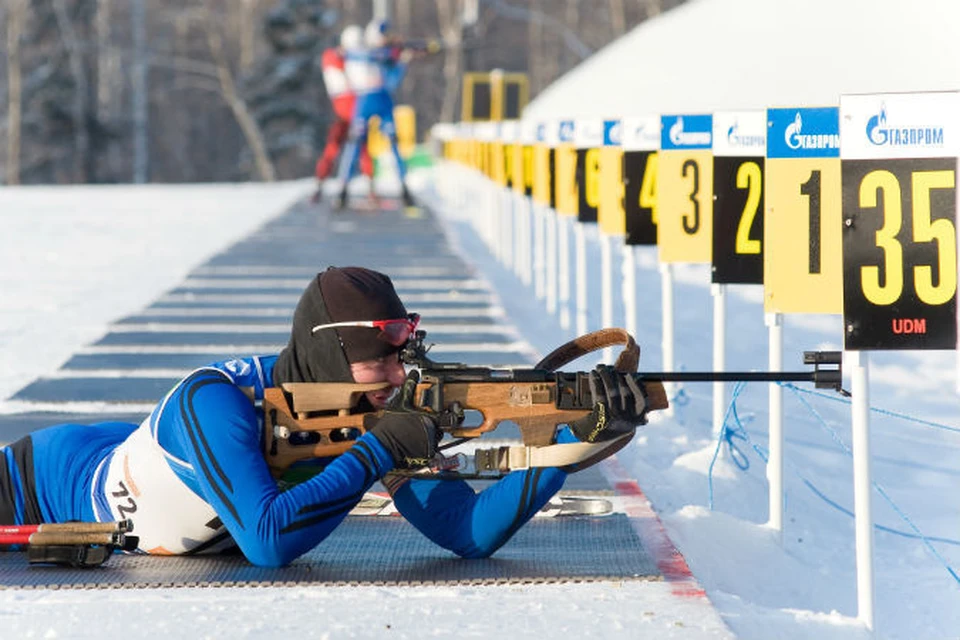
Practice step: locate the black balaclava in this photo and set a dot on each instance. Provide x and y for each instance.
(337, 295)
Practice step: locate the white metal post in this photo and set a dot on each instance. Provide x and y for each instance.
(666, 286)
(525, 263)
(539, 286)
(564, 259)
(629, 290)
(774, 322)
(517, 208)
(551, 244)
(862, 484)
(493, 214)
(582, 277)
(606, 289)
(488, 195)
(719, 353)
(506, 225)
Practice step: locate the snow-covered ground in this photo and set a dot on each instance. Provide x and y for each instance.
(805, 586)
(74, 259)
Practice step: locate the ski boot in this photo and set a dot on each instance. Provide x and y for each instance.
(373, 200)
(410, 208)
(342, 200)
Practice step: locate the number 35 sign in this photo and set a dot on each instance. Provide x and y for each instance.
(899, 171)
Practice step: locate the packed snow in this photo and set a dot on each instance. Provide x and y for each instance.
(73, 260)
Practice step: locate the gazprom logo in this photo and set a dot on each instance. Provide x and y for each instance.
(541, 132)
(736, 139)
(879, 134)
(682, 138)
(646, 134)
(795, 138)
(805, 132)
(612, 132)
(565, 132)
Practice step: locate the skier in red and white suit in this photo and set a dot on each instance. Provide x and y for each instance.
(344, 100)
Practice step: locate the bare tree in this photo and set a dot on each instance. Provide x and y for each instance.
(247, 28)
(402, 15)
(618, 18)
(81, 137)
(141, 88)
(228, 88)
(120, 90)
(535, 50)
(16, 16)
(572, 19)
(451, 27)
(109, 90)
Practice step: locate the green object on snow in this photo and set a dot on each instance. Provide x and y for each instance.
(420, 158)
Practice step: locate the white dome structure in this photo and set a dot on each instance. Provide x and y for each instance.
(710, 55)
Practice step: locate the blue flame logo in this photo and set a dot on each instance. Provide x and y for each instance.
(791, 135)
(877, 127)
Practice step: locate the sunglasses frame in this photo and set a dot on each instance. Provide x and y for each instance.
(412, 321)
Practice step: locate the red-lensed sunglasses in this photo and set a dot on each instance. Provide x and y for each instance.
(394, 332)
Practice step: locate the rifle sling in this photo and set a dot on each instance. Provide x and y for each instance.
(570, 457)
(627, 361)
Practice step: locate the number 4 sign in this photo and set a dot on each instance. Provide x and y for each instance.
(899, 165)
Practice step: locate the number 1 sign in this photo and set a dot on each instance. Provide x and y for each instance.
(801, 232)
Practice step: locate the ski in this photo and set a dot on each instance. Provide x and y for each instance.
(381, 504)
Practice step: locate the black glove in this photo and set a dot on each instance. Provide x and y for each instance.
(619, 406)
(410, 435)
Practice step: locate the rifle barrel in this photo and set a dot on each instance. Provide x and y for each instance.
(737, 376)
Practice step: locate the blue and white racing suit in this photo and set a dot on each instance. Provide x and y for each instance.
(374, 74)
(193, 479)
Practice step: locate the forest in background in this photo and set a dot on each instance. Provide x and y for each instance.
(167, 91)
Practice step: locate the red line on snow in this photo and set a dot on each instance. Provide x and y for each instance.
(651, 532)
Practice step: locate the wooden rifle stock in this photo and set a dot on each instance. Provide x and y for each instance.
(295, 433)
(318, 420)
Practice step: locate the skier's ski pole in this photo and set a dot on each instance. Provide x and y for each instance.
(63, 538)
(122, 526)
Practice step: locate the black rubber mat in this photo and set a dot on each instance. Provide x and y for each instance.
(376, 551)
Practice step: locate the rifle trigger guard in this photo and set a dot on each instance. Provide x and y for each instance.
(451, 417)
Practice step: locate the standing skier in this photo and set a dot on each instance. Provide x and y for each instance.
(344, 101)
(374, 72)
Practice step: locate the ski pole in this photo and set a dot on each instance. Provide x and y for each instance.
(122, 526)
(110, 538)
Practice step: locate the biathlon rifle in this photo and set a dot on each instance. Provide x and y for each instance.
(425, 46)
(319, 420)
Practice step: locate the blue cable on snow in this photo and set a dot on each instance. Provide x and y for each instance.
(729, 434)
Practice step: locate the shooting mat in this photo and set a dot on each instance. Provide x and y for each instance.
(376, 551)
